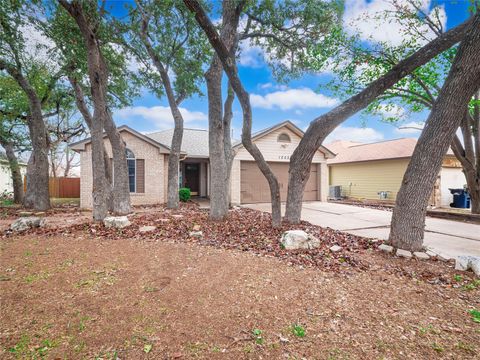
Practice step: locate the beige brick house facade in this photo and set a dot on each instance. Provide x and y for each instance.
(247, 183)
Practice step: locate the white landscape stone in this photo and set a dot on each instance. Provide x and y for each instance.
(386, 248)
(335, 248)
(404, 253)
(146, 228)
(421, 255)
(298, 239)
(197, 234)
(465, 262)
(118, 222)
(26, 223)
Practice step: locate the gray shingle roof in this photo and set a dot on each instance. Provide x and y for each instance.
(195, 141)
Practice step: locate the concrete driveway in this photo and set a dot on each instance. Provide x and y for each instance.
(444, 237)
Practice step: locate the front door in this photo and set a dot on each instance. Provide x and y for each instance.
(192, 178)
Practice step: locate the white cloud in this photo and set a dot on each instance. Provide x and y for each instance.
(412, 127)
(250, 55)
(161, 116)
(391, 111)
(370, 20)
(351, 133)
(292, 98)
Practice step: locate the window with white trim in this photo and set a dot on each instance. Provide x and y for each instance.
(132, 169)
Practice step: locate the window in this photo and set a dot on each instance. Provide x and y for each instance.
(131, 165)
(283, 137)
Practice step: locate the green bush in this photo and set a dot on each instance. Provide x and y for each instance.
(184, 194)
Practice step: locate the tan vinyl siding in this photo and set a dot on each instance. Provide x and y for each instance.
(272, 150)
(368, 178)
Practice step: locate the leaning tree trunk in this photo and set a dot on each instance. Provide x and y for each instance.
(408, 219)
(16, 174)
(224, 52)
(321, 127)
(173, 102)
(120, 188)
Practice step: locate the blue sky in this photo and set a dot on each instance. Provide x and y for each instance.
(300, 100)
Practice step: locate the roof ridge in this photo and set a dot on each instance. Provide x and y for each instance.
(382, 141)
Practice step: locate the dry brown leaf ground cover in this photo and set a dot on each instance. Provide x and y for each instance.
(83, 291)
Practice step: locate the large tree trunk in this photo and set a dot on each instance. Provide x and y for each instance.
(321, 127)
(121, 189)
(226, 54)
(408, 218)
(219, 168)
(37, 196)
(83, 108)
(219, 121)
(98, 74)
(16, 174)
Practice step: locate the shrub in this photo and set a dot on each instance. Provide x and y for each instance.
(184, 194)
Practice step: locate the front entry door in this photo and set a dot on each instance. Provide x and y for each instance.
(192, 178)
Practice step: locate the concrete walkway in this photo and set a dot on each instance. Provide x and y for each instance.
(445, 237)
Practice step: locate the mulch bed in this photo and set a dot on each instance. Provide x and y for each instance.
(250, 230)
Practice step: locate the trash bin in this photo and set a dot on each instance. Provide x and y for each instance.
(461, 198)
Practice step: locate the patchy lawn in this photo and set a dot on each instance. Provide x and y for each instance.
(82, 291)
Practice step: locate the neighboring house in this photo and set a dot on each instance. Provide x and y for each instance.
(6, 183)
(148, 165)
(365, 170)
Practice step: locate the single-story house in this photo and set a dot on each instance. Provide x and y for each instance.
(6, 182)
(147, 157)
(363, 171)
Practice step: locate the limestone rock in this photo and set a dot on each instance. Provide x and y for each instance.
(465, 262)
(404, 253)
(26, 223)
(25, 213)
(421, 255)
(197, 234)
(335, 248)
(147, 228)
(298, 239)
(118, 222)
(386, 248)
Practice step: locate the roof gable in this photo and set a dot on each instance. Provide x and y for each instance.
(80, 145)
(291, 127)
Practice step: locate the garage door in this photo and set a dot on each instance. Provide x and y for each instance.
(254, 187)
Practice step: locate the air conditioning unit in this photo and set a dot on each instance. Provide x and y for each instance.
(335, 192)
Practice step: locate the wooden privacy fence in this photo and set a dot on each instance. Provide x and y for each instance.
(61, 187)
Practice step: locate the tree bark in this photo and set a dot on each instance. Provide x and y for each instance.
(231, 14)
(120, 188)
(37, 196)
(16, 174)
(219, 197)
(173, 102)
(219, 125)
(408, 218)
(97, 72)
(467, 154)
(321, 127)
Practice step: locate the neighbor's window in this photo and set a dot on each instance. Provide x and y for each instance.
(131, 169)
(283, 138)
